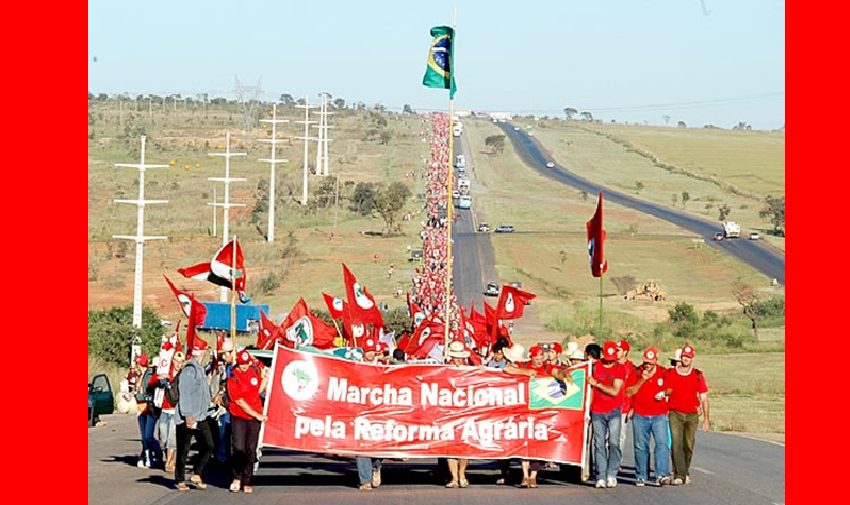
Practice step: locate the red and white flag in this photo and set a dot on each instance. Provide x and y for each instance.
(226, 269)
(182, 297)
(335, 306)
(428, 335)
(197, 315)
(302, 328)
(268, 333)
(361, 305)
(512, 303)
(596, 241)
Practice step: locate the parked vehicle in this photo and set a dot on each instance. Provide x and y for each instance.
(483, 227)
(101, 399)
(754, 235)
(492, 289)
(505, 228)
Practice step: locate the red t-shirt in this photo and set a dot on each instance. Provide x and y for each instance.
(643, 401)
(544, 370)
(245, 385)
(630, 371)
(686, 390)
(602, 402)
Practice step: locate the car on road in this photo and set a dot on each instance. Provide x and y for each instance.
(505, 228)
(492, 289)
(718, 236)
(550, 165)
(754, 235)
(483, 227)
(101, 399)
(516, 128)
(455, 194)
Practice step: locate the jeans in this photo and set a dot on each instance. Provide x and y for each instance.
(365, 467)
(224, 437)
(606, 430)
(167, 428)
(151, 451)
(683, 430)
(644, 426)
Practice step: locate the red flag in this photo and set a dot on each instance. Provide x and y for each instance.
(197, 314)
(222, 270)
(334, 305)
(428, 335)
(404, 341)
(302, 328)
(268, 332)
(182, 298)
(596, 241)
(512, 303)
(361, 305)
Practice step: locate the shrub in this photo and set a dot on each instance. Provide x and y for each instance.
(111, 333)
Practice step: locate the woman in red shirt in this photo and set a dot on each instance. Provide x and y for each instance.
(244, 388)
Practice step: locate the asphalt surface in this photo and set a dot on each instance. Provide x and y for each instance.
(726, 469)
(755, 253)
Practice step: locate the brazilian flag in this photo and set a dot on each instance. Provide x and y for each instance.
(441, 58)
(548, 393)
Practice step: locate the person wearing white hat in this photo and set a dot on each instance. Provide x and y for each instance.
(688, 396)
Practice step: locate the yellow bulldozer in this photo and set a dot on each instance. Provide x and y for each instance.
(648, 289)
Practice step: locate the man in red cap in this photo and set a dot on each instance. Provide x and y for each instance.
(553, 354)
(368, 468)
(605, 413)
(623, 349)
(688, 394)
(649, 403)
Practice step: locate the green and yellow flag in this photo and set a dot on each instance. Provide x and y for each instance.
(440, 70)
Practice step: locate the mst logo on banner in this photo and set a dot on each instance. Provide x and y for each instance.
(320, 403)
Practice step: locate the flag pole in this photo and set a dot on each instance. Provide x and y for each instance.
(450, 206)
(600, 307)
(233, 297)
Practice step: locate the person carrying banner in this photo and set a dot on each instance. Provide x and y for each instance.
(167, 426)
(458, 355)
(688, 394)
(368, 468)
(244, 387)
(649, 403)
(605, 408)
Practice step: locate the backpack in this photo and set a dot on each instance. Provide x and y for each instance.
(172, 391)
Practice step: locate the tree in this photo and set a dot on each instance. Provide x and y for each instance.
(748, 298)
(407, 109)
(682, 124)
(638, 186)
(496, 143)
(364, 198)
(587, 116)
(675, 199)
(562, 255)
(723, 212)
(570, 112)
(685, 197)
(385, 136)
(339, 103)
(390, 201)
(111, 333)
(742, 125)
(287, 100)
(774, 210)
(666, 119)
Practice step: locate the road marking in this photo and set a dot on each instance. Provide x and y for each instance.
(703, 470)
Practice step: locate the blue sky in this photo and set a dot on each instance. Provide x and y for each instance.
(627, 60)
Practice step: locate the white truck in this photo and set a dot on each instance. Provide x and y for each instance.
(463, 186)
(731, 229)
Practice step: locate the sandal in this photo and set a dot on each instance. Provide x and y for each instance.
(452, 484)
(463, 483)
(247, 490)
(524, 482)
(234, 486)
(182, 486)
(500, 481)
(532, 482)
(196, 480)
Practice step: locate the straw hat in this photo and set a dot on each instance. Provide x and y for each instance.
(516, 353)
(457, 350)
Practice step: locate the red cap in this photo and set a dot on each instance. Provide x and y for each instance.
(535, 351)
(383, 347)
(688, 351)
(142, 360)
(369, 344)
(557, 347)
(650, 355)
(609, 351)
(622, 344)
(243, 357)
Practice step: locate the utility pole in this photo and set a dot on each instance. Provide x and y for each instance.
(226, 180)
(306, 138)
(272, 161)
(322, 151)
(139, 238)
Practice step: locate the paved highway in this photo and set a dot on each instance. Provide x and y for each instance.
(754, 253)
